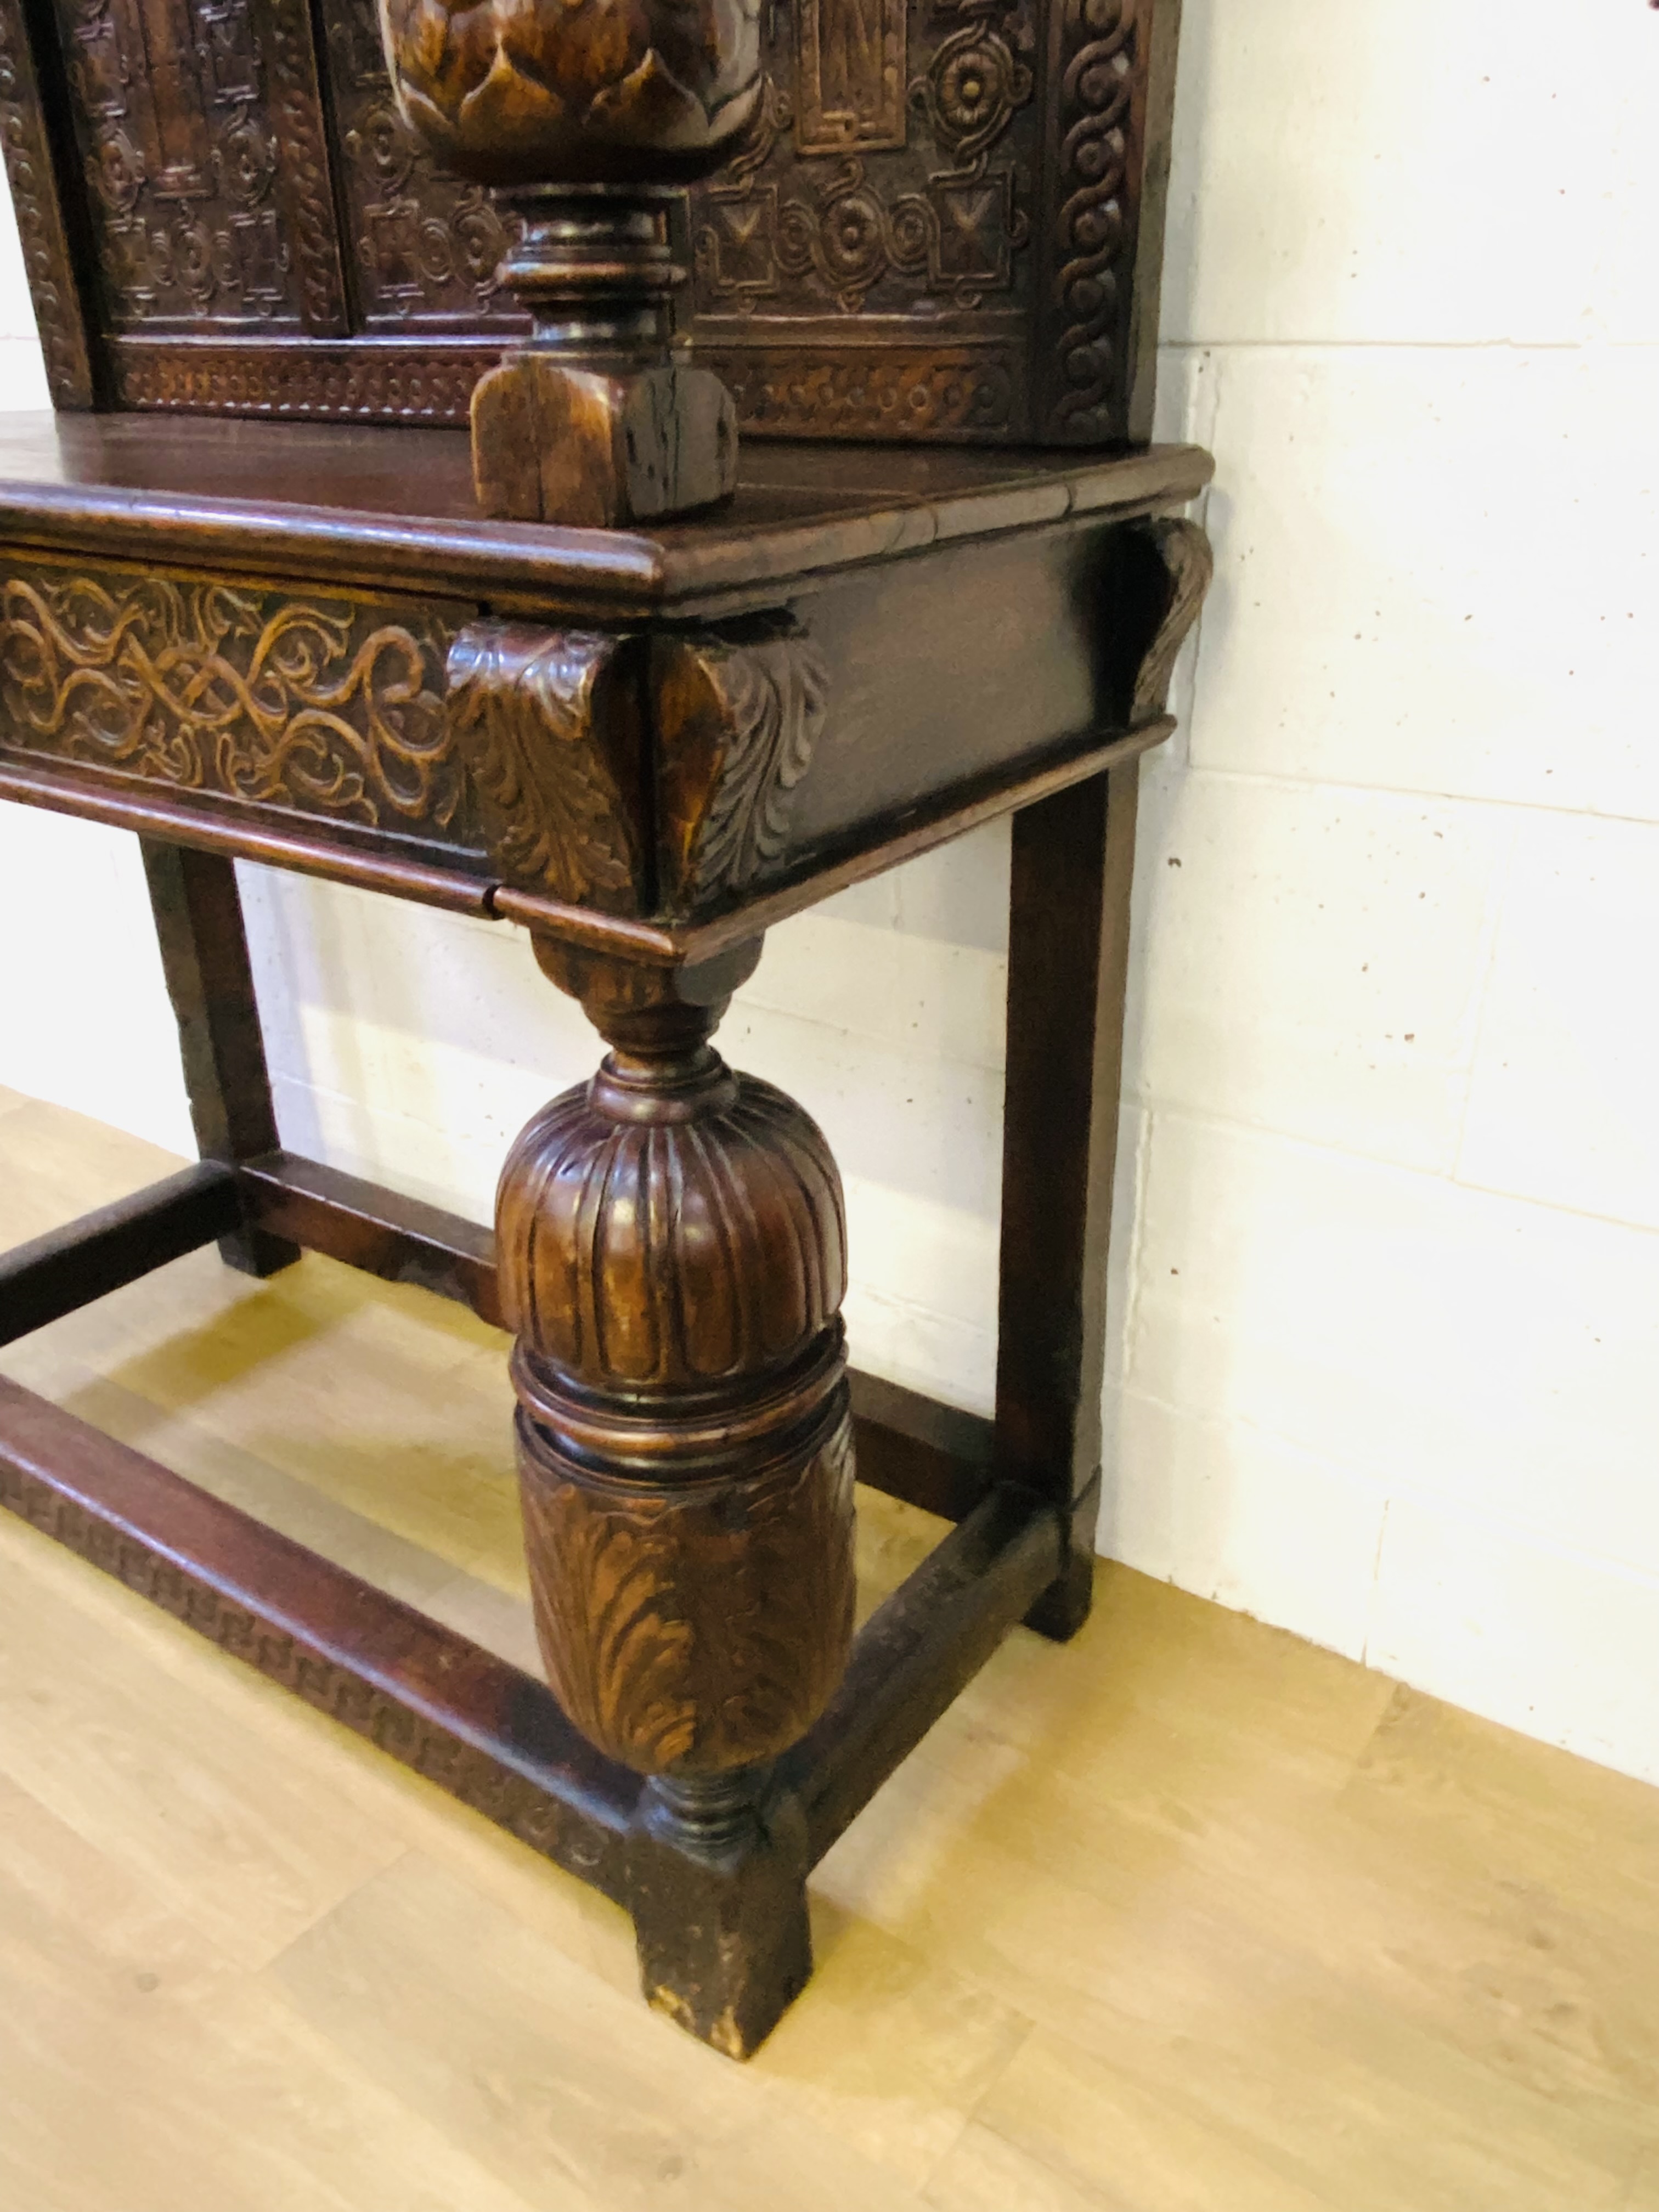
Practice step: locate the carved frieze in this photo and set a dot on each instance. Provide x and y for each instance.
(330, 707)
(944, 220)
(328, 1683)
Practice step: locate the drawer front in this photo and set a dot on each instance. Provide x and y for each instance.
(325, 706)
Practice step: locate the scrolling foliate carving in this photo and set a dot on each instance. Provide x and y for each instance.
(548, 722)
(1189, 563)
(739, 723)
(328, 706)
(39, 225)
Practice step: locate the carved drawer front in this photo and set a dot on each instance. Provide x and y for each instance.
(328, 705)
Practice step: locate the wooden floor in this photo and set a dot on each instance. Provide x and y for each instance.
(1187, 1916)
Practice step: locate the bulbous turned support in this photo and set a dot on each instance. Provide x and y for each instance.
(585, 116)
(672, 1243)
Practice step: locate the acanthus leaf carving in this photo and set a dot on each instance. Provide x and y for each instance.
(697, 1627)
(548, 723)
(740, 722)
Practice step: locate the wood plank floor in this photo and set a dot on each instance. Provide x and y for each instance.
(1189, 1917)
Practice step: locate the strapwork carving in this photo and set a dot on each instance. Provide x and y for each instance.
(328, 706)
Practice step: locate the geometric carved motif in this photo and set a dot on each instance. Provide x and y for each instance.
(427, 246)
(326, 707)
(200, 131)
(841, 233)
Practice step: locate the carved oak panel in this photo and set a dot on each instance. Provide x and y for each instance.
(199, 130)
(325, 706)
(945, 222)
(424, 248)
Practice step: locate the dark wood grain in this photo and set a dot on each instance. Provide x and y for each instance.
(919, 1651)
(479, 1728)
(67, 1268)
(1074, 864)
(908, 1445)
(930, 225)
(209, 979)
(379, 506)
(914, 1447)
(399, 1239)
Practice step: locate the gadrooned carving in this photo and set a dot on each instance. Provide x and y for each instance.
(662, 1253)
(331, 707)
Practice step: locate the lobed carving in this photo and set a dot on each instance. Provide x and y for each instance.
(1094, 237)
(328, 1684)
(1189, 563)
(739, 725)
(548, 725)
(573, 91)
(330, 707)
(642, 1251)
(672, 1244)
(39, 223)
(697, 1628)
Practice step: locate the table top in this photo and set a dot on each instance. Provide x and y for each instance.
(368, 504)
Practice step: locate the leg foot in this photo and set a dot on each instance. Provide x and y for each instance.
(672, 1264)
(1069, 1599)
(719, 1895)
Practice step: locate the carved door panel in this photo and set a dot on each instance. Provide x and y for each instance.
(199, 126)
(424, 247)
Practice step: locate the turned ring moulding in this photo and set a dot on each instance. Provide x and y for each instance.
(579, 116)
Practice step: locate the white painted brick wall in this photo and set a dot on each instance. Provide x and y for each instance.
(1385, 1309)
